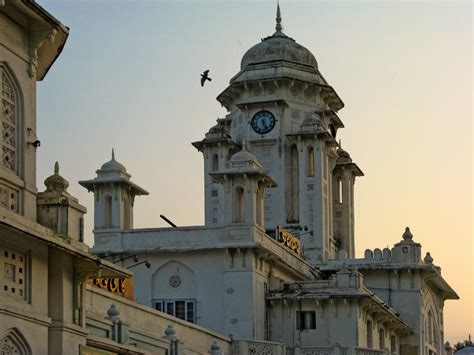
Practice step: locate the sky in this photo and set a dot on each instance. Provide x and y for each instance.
(128, 78)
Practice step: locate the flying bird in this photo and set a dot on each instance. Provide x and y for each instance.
(204, 77)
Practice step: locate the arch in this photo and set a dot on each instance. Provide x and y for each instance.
(310, 171)
(13, 342)
(11, 123)
(381, 338)
(107, 211)
(239, 204)
(173, 280)
(369, 335)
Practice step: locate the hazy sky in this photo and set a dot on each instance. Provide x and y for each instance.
(129, 78)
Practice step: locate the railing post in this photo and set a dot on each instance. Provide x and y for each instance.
(243, 348)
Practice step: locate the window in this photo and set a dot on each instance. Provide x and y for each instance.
(259, 206)
(393, 344)
(306, 320)
(293, 213)
(126, 214)
(310, 161)
(239, 205)
(182, 309)
(215, 162)
(430, 327)
(369, 334)
(339, 190)
(8, 123)
(12, 273)
(381, 338)
(108, 211)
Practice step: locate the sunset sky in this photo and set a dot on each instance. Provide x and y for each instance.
(128, 78)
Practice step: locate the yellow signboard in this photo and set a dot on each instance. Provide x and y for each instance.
(120, 286)
(289, 240)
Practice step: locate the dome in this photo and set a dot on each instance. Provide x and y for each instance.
(243, 155)
(113, 165)
(278, 47)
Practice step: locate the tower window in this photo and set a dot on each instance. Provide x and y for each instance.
(381, 338)
(126, 213)
(259, 207)
(310, 161)
(108, 211)
(339, 190)
(293, 193)
(215, 162)
(239, 205)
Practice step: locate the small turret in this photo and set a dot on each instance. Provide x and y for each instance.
(58, 210)
(114, 195)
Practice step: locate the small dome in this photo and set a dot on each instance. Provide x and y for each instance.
(243, 155)
(278, 47)
(113, 165)
(56, 182)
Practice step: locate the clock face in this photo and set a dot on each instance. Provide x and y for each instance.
(263, 122)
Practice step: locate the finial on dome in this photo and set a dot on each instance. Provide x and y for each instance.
(278, 26)
(56, 182)
(56, 168)
(244, 147)
(113, 154)
(407, 235)
(340, 143)
(428, 259)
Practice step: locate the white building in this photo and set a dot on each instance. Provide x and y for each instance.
(275, 260)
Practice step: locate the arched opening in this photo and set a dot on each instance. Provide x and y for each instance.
(9, 122)
(215, 162)
(293, 213)
(339, 190)
(239, 205)
(13, 342)
(430, 327)
(393, 344)
(259, 207)
(310, 161)
(126, 213)
(108, 211)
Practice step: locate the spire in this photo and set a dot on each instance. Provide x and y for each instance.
(56, 182)
(56, 168)
(278, 26)
(113, 154)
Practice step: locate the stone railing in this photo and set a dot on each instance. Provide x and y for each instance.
(250, 347)
(334, 350)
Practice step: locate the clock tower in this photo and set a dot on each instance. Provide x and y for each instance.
(283, 108)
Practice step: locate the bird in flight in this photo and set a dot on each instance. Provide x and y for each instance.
(204, 77)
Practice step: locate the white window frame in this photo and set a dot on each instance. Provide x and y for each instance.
(162, 306)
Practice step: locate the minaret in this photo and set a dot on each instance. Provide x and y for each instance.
(343, 180)
(114, 195)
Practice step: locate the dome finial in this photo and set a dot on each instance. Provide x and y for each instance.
(56, 168)
(113, 154)
(278, 26)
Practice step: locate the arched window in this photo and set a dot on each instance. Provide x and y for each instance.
(369, 334)
(293, 213)
(108, 211)
(310, 161)
(9, 123)
(13, 342)
(239, 205)
(215, 162)
(430, 326)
